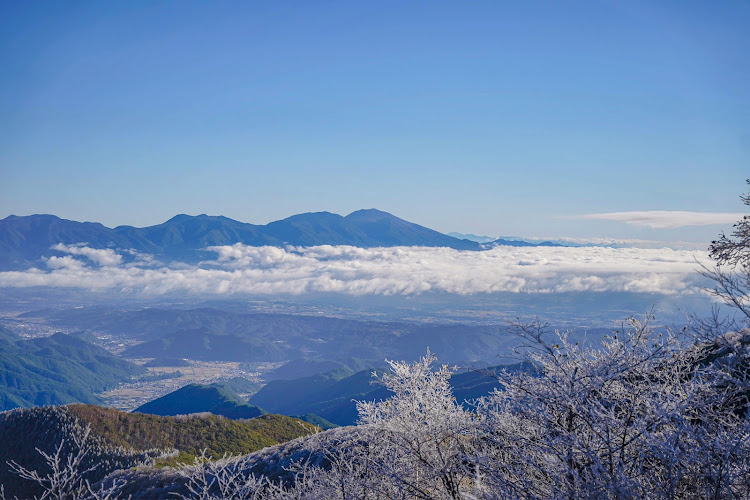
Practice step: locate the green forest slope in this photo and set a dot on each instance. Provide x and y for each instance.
(56, 370)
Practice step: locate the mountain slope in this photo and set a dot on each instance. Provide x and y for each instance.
(122, 439)
(189, 435)
(384, 229)
(183, 234)
(56, 370)
(24, 240)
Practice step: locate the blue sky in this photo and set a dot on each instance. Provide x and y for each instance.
(486, 117)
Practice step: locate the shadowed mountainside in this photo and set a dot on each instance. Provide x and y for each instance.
(196, 398)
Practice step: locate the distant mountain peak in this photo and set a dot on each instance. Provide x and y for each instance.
(187, 218)
(311, 216)
(179, 218)
(370, 214)
(32, 217)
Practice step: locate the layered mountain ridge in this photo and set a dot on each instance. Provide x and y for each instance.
(25, 241)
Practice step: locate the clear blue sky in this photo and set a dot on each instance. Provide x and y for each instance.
(486, 117)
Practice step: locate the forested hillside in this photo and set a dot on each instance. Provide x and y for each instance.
(56, 370)
(120, 440)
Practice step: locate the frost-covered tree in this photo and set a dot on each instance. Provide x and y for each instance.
(413, 445)
(221, 479)
(422, 432)
(731, 275)
(69, 467)
(67, 470)
(641, 416)
(70, 461)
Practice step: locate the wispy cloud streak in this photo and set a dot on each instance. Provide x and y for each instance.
(663, 219)
(240, 269)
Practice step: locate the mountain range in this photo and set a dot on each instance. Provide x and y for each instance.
(211, 334)
(26, 240)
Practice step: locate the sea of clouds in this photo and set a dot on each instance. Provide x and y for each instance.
(239, 269)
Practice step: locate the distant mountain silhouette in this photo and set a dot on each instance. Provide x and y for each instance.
(520, 243)
(472, 237)
(26, 240)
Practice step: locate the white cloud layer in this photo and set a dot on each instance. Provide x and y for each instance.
(100, 256)
(663, 219)
(382, 271)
